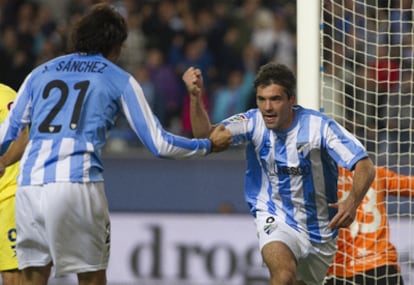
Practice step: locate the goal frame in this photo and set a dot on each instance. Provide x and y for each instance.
(308, 53)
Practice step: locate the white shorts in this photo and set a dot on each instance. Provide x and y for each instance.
(63, 223)
(313, 259)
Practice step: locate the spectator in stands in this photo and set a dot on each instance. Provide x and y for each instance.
(168, 93)
(15, 59)
(233, 97)
(160, 25)
(264, 34)
(284, 45)
(134, 50)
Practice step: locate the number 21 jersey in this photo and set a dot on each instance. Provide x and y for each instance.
(71, 102)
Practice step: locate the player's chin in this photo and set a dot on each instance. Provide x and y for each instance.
(271, 125)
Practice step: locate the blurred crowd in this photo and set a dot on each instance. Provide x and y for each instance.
(368, 53)
(226, 39)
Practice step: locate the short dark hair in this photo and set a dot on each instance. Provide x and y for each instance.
(100, 30)
(274, 73)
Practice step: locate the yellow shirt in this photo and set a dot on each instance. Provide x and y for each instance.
(8, 182)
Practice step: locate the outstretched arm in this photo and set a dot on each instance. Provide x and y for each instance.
(14, 152)
(396, 184)
(200, 121)
(364, 175)
(156, 139)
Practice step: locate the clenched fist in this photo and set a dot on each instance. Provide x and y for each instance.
(220, 138)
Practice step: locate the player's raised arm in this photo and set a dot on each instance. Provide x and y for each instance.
(396, 184)
(200, 121)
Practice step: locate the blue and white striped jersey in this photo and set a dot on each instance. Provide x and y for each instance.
(70, 103)
(293, 173)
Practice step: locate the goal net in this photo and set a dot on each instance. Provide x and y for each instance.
(367, 55)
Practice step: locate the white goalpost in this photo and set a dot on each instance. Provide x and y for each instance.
(308, 61)
(356, 64)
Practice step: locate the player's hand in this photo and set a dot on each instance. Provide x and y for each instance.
(220, 138)
(345, 215)
(193, 81)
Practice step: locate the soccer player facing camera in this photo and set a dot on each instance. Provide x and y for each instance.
(291, 177)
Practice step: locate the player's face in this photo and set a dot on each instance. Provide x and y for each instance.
(275, 106)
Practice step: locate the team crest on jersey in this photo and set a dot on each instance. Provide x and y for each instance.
(303, 149)
(237, 118)
(269, 228)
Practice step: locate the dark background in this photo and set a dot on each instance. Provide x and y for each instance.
(140, 182)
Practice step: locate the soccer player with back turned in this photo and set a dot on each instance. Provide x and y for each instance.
(70, 103)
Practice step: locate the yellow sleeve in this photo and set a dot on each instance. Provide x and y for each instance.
(8, 181)
(7, 96)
